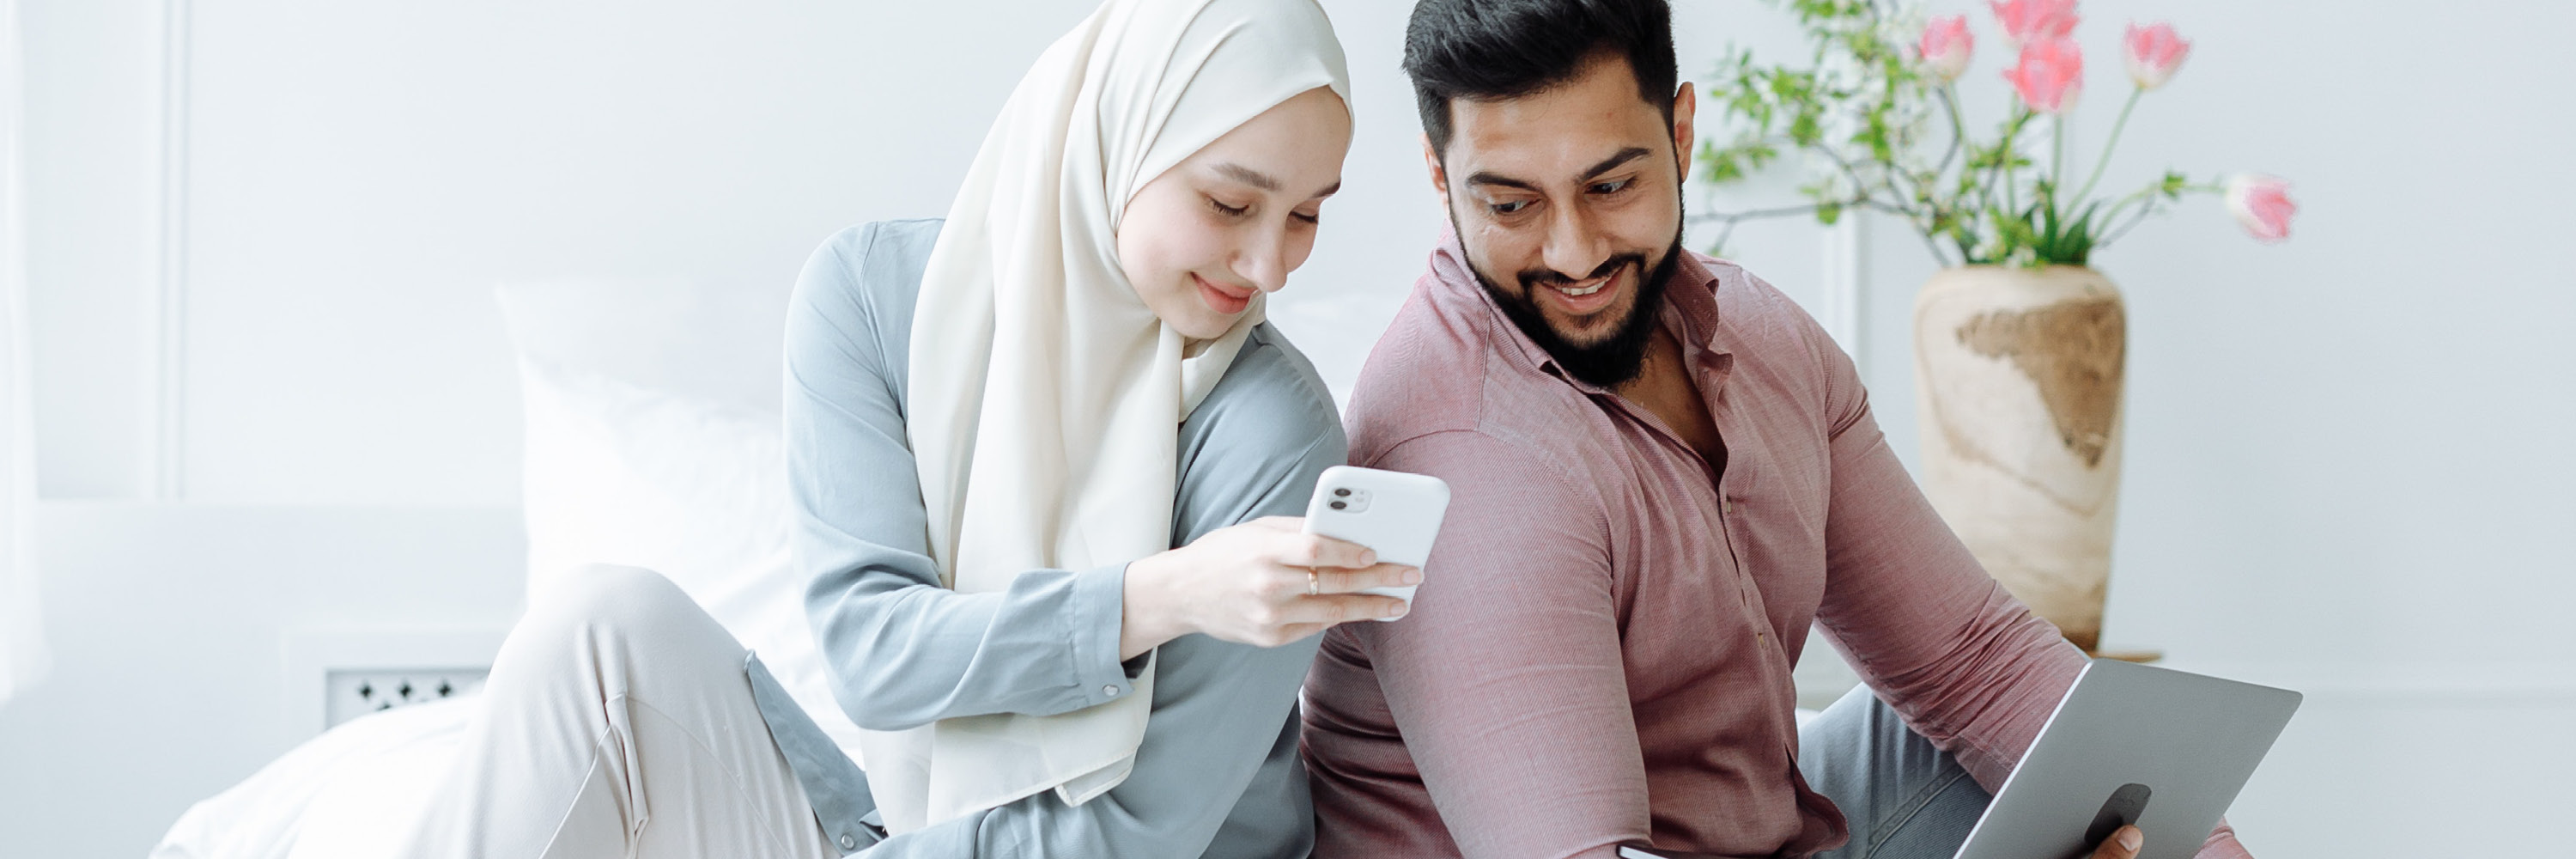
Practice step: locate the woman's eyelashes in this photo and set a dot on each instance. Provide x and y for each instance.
(1231, 212)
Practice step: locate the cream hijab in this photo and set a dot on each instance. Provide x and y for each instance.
(1045, 399)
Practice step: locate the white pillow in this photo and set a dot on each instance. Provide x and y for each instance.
(653, 439)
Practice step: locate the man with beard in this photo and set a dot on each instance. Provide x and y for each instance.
(1662, 473)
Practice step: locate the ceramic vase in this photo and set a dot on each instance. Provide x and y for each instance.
(2018, 376)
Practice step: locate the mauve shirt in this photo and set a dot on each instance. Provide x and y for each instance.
(1601, 648)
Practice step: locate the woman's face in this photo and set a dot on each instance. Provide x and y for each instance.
(1236, 217)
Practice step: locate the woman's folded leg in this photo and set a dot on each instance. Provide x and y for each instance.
(618, 723)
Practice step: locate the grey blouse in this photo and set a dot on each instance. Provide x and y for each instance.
(1218, 773)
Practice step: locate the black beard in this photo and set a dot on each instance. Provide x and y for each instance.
(1613, 361)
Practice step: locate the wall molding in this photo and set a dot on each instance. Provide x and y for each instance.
(2479, 684)
(1842, 309)
(2461, 683)
(165, 301)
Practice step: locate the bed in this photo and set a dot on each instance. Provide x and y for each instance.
(652, 438)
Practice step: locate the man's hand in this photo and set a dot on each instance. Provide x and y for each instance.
(2123, 844)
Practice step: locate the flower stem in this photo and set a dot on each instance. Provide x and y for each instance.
(2139, 217)
(2011, 186)
(2108, 145)
(2004, 158)
(2145, 195)
(2056, 158)
(1958, 129)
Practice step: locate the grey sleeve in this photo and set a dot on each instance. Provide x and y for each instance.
(904, 651)
(1217, 774)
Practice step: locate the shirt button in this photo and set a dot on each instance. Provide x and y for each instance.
(1726, 505)
(849, 842)
(1111, 691)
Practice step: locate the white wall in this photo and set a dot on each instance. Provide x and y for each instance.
(2342, 468)
(346, 182)
(170, 629)
(2345, 449)
(2347, 469)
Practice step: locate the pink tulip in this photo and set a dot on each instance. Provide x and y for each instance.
(1946, 46)
(2154, 53)
(2027, 21)
(2049, 76)
(2262, 204)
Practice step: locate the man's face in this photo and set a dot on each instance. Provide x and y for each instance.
(1568, 203)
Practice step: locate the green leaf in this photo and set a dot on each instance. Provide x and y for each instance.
(1723, 170)
(2078, 243)
(1805, 129)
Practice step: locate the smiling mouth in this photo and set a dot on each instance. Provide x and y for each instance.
(1222, 299)
(1585, 298)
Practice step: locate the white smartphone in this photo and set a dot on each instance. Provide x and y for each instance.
(1391, 512)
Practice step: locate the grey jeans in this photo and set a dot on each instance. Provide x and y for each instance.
(1903, 798)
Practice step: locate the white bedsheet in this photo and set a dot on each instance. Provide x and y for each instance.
(350, 792)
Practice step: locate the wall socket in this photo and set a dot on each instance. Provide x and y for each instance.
(334, 675)
(352, 692)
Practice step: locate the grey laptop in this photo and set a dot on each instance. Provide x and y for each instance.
(2161, 749)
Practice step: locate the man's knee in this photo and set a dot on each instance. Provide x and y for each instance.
(1854, 715)
(1853, 738)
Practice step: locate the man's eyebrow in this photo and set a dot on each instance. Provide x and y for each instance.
(1614, 162)
(1248, 176)
(1481, 178)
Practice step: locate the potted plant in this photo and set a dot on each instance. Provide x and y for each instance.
(2019, 344)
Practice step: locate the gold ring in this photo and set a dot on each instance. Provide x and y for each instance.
(1314, 583)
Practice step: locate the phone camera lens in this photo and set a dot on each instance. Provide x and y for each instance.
(1343, 493)
(1337, 505)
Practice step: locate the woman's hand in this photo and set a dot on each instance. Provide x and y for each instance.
(1264, 583)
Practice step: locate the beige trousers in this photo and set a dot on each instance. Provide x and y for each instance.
(618, 723)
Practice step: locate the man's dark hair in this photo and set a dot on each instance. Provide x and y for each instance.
(1500, 49)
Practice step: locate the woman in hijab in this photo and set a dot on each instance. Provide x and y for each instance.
(999, 427)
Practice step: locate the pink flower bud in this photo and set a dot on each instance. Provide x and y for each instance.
(1945, 47)
(2262, 204)
(2027, 21)
(2049, 76)
(2154, 53)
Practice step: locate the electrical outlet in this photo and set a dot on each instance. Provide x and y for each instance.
(337, 674)
(352, 692)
